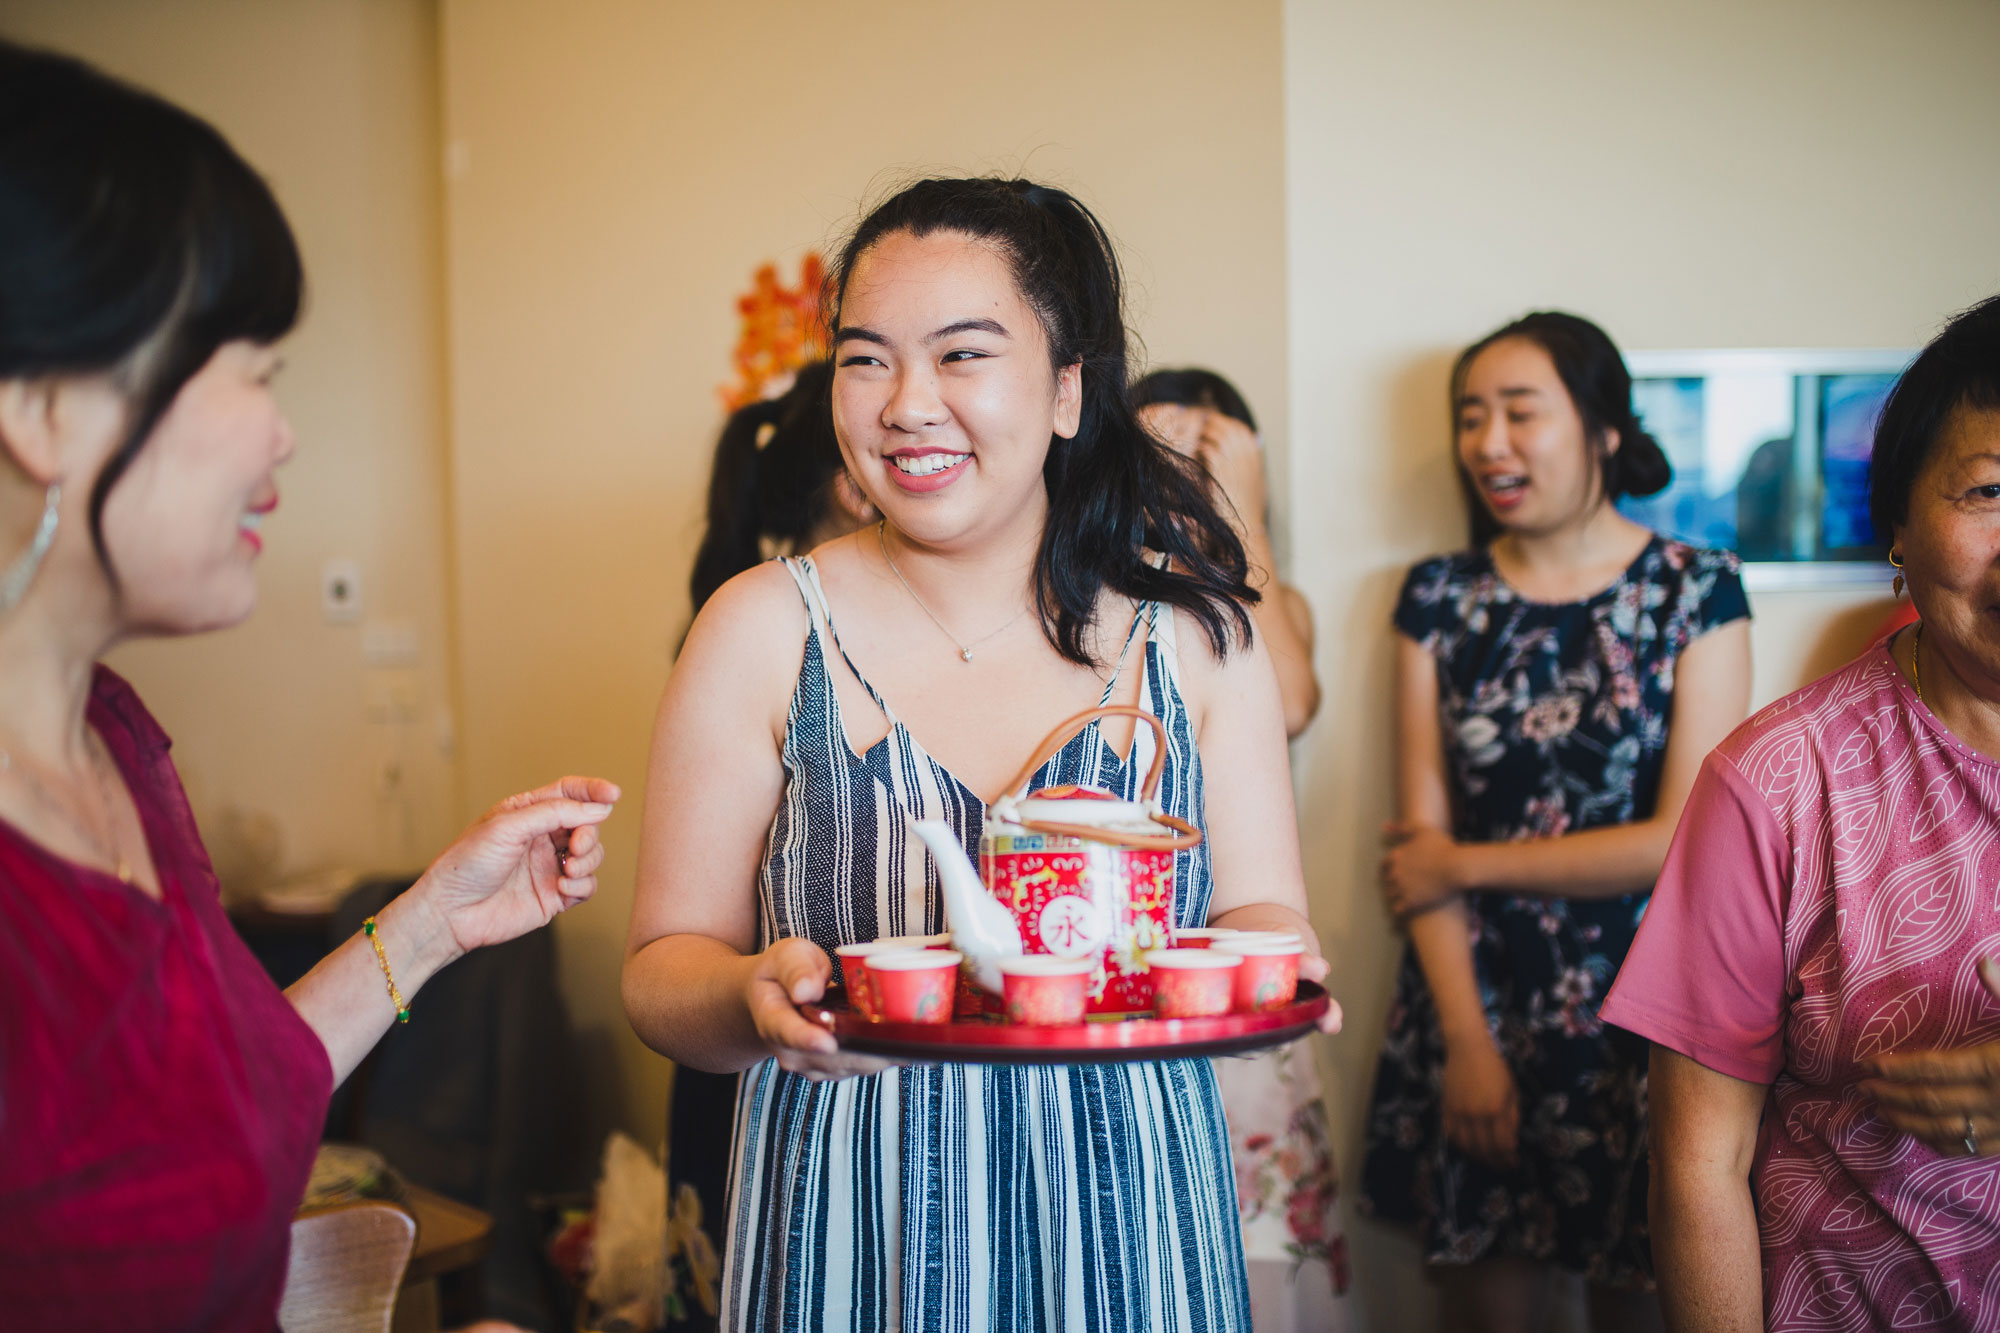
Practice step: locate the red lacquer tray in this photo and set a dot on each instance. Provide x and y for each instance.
(990, 1042)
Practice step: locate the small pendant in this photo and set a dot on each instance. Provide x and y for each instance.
(965, 653)
(124, 872)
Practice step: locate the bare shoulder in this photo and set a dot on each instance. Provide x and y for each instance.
(1212, 679)
(749, 640)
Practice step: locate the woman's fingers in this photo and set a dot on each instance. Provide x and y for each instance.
(545, 818)
(1484, 1137)
(800, 1045)
(1967, 1064)
(1948, 1100)
(1498, 1141)
(781, 1024)
(574, 787)
(827, 1069)
(1948, 1134)
(1930, 1098)
(583, 857)
(801, 968)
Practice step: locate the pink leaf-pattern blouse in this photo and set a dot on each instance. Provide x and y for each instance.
(1829, 894)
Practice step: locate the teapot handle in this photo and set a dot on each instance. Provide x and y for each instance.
(1185, 836)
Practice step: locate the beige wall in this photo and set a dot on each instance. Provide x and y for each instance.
(1789, 173)
(335, 101)
(622, 167)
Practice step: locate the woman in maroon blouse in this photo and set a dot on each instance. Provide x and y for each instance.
(160, 1100)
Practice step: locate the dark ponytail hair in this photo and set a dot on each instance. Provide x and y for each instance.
(1594, 373)
(1114, 490)
(133, 240)
(773, 467)
(1192, 387)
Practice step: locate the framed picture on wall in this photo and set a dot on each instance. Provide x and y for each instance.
(1770, 451)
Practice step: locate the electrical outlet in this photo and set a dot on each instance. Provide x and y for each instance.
(389, 643)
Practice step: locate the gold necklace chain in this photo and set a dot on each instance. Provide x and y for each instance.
(964, 649)
(105, 845)
(1917, 672)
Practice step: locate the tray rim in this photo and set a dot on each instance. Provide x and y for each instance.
(1103, 1042)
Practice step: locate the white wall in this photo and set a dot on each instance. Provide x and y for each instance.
(623, 168)
(335, 102)
(1706, 174)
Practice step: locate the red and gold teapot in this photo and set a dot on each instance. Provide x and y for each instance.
(1070, 871)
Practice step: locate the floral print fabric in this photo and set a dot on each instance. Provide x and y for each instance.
(1555, 721)
(1287, 1190)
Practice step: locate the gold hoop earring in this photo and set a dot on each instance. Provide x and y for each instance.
(1896, 563)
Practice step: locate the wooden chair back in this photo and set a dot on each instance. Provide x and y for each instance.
(347, 1266)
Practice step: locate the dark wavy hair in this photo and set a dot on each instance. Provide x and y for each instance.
(1960, 368)
(1115, 492)
(133, 240)
(1594, 373)
(1192, 386)
(774, 465)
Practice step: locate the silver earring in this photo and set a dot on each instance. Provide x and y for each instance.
(14, 583)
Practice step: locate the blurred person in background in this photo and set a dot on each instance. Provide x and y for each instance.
(1203, 417)
(1557, 685)
(1287, 1182)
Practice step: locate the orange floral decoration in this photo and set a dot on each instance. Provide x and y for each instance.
(783, 329)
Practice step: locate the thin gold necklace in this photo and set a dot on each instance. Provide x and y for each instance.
(964, 649)
(106, 845)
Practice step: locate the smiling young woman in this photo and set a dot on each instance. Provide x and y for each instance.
(1557, 686)
(979, 397)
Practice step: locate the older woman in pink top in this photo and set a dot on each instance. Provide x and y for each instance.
(1815, 969)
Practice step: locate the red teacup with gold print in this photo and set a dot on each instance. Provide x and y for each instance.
(1269, 977)
(913, 985)
(1201, 937)
(1193, 983)
(854, 969)
(854, 974)
(1044, 991)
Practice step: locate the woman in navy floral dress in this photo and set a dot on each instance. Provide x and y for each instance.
(1557, 688)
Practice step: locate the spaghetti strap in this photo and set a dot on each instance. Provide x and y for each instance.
(806, 575)
(1139, 617)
